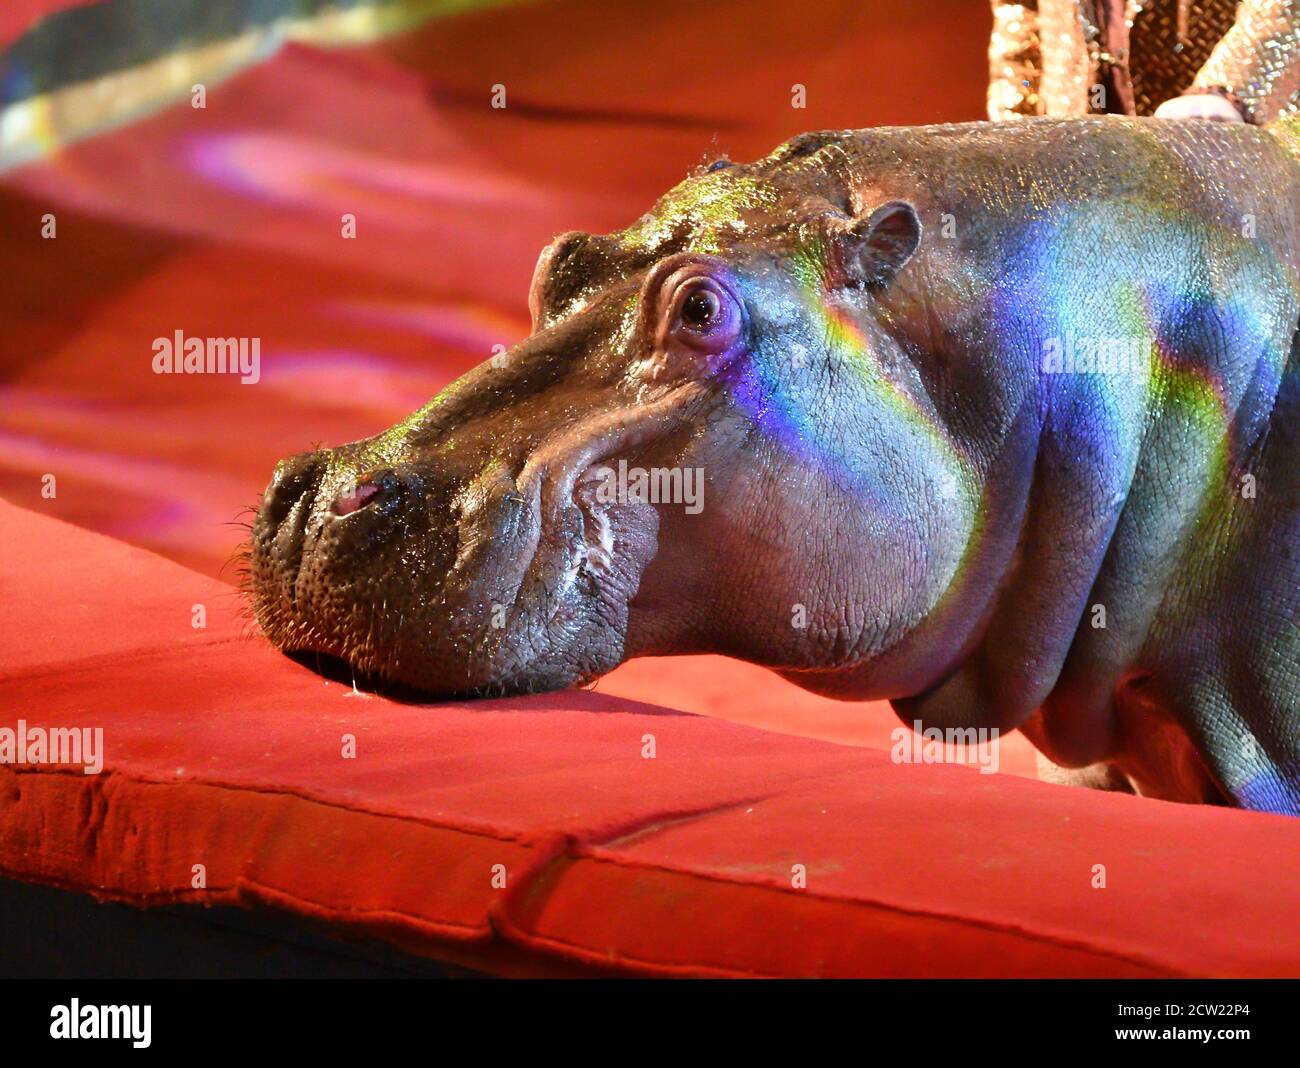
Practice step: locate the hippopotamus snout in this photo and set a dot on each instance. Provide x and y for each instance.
(452, 583)
(311, 494)
(330, 530)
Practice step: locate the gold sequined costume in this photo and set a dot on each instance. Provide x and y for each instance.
(1077, 57)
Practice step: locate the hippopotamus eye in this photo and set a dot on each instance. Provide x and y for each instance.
(704, 315)
(701, 308)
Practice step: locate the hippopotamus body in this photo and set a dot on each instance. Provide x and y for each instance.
(999, 422)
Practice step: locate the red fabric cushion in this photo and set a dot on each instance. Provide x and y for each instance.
(223, 753)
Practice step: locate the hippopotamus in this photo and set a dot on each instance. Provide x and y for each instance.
(998, 422)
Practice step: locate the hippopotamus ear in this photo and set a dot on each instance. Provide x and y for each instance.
(875, 246)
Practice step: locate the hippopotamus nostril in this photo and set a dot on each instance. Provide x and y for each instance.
(294, 478)
(354, 499)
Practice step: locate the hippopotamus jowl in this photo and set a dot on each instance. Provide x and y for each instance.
(999, 422)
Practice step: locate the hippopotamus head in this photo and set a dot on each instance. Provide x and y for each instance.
(715, 439)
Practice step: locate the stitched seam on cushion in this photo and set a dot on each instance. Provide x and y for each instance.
(935, 913)
(568, 847)
(586, 954)
(1024, 934)
(632, 827)
(481, 831)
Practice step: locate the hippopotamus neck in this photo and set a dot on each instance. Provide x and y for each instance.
(1110, 381)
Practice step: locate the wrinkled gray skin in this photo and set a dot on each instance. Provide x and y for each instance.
(848, 338)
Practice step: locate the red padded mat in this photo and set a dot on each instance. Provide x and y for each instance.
(219, 752)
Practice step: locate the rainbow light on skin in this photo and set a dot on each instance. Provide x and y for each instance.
(762, 394)
(1269, 791)
(845, 336)
(1130, 397)
(1198, 397)
(1165, 387)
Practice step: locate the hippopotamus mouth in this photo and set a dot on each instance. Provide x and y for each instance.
(514, 577)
